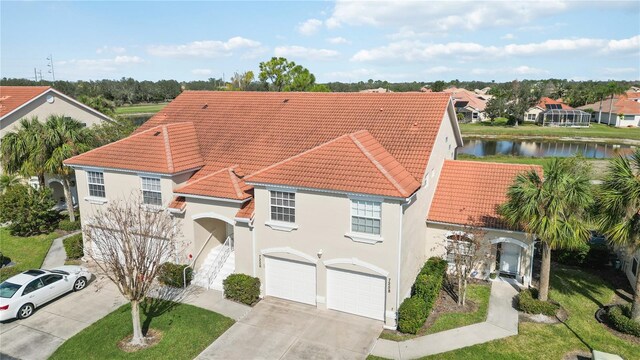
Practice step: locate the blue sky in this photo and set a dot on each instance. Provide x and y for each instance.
(338, 41)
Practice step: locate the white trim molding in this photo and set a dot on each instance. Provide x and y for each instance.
(288, 250)
(510, 241)
(358, 262)
(212, 215)
(364, 238)
(281, 225)
(95, 200)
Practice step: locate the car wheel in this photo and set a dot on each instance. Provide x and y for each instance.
(25, 311)
(79, 284)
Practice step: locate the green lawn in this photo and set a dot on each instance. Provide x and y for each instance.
(187, 330)
(581, 294)
(26, 252)
(479, 294)
(595, 131)
(140, 109)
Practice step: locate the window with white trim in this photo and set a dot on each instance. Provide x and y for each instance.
(95, 179)
(151, 193)
(365, 217)
(283, 206)
(458, 244)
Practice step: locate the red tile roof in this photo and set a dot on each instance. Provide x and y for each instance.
(178, 203)
(226, 183)
(474, 100)
(12, 97)
(353, 163)
(247, 209)
(617, 105)
(544, 101)
(469, 192)
(165, 149)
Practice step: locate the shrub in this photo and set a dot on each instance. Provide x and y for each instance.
(597, 257)
(242, 288)
(434, 265)
(28, 210)
(573, 257)
(620, 319)
(528, 302)
(171, 274)
(412, 314)
(500, 121)
(73, 246)
(67, 225)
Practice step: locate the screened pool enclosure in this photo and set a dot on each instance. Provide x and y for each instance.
(564, 117)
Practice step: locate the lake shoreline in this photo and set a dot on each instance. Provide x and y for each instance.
(548, 138)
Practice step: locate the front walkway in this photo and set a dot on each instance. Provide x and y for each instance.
(502, 321)
(57, 255)
(212, 300)
(280, 329)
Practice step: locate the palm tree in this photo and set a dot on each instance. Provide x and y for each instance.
(553, 208)
(7, 181)
(619, 214)
(23, 151)
(64, 138)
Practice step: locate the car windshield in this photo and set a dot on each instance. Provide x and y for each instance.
(7, 289)
(59, 272)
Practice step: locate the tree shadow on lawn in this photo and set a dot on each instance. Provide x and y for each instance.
(575, 284)
(162, 300)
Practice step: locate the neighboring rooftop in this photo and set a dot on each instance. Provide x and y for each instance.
(469, 192)
(618, 105)
(13, 97)
(547, 103)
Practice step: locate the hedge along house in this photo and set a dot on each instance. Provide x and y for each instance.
(322, 196)
(26, 102)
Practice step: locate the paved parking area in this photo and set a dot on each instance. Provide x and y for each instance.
(40, 335)
(279, 329)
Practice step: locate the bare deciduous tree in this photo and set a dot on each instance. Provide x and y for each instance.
(466, 249)
(128, 241)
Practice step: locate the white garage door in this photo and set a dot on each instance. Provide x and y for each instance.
(291, 280)
(356, 293)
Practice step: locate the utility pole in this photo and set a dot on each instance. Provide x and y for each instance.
(40, 73)
(35, 73)
(51, 71)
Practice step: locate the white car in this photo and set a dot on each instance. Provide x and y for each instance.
(21, 294)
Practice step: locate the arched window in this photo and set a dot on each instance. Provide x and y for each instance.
(458, 244)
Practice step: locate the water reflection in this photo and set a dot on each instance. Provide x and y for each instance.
(479, 147)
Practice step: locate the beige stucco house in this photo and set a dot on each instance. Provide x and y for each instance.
(326, 197)
(26, 102)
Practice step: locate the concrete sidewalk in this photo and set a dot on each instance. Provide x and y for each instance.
(502, 321)
(207, 299)
(56, 255)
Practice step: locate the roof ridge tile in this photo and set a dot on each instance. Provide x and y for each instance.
(167, 148)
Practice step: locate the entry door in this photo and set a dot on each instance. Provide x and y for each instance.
(509, 258)
(291, 280)
(356, 293)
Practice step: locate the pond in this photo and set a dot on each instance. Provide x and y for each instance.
(528, 148)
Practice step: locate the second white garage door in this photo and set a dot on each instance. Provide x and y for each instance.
(291, 280)
(356, 293)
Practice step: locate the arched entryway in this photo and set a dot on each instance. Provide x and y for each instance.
(213, 256)
(57, 193)
(513, 259)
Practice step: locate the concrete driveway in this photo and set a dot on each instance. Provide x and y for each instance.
(279, 329)
(40, 335)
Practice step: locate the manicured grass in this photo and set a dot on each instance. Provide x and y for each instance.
(581, 294)
(594, 131)
(479, 294)
(26, 252)
(140, 109)
(187, 330)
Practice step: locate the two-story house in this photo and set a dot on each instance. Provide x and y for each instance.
(325, 197)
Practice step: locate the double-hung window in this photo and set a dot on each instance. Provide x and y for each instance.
(151, 194)
(95, 179)
(365, 217)
(283, 206)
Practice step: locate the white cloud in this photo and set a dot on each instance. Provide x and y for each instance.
(623, 70)
(508, 37)
(202, 72)
(632, 43)
(124, 59)
(407, 50)
(205, 48)
(96, 68)
(309, 27)
(110, 49)
(520, 70)
(338, 40)
(439, 70)
(440, 15)
(302, 52)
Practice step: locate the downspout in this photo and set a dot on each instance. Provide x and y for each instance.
(253, 245)
(531, 256)
(398, 277)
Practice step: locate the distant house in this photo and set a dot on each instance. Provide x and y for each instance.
(549, 112)
(25, 102)
(378, 90)
(621, 111)
(470, 104)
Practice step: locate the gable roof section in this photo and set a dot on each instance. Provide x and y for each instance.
(164, 149)
(617, 105)
(469, 192)
(544, 101)
(258, 129)
(226, 183)
(247, 210)
(351, 163)
(14, 97)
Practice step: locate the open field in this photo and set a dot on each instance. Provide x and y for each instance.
(140, 109)
(530, 130)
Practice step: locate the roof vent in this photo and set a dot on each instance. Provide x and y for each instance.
(157, 133)
(381, 109)
(205, 106)
(285, 101)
